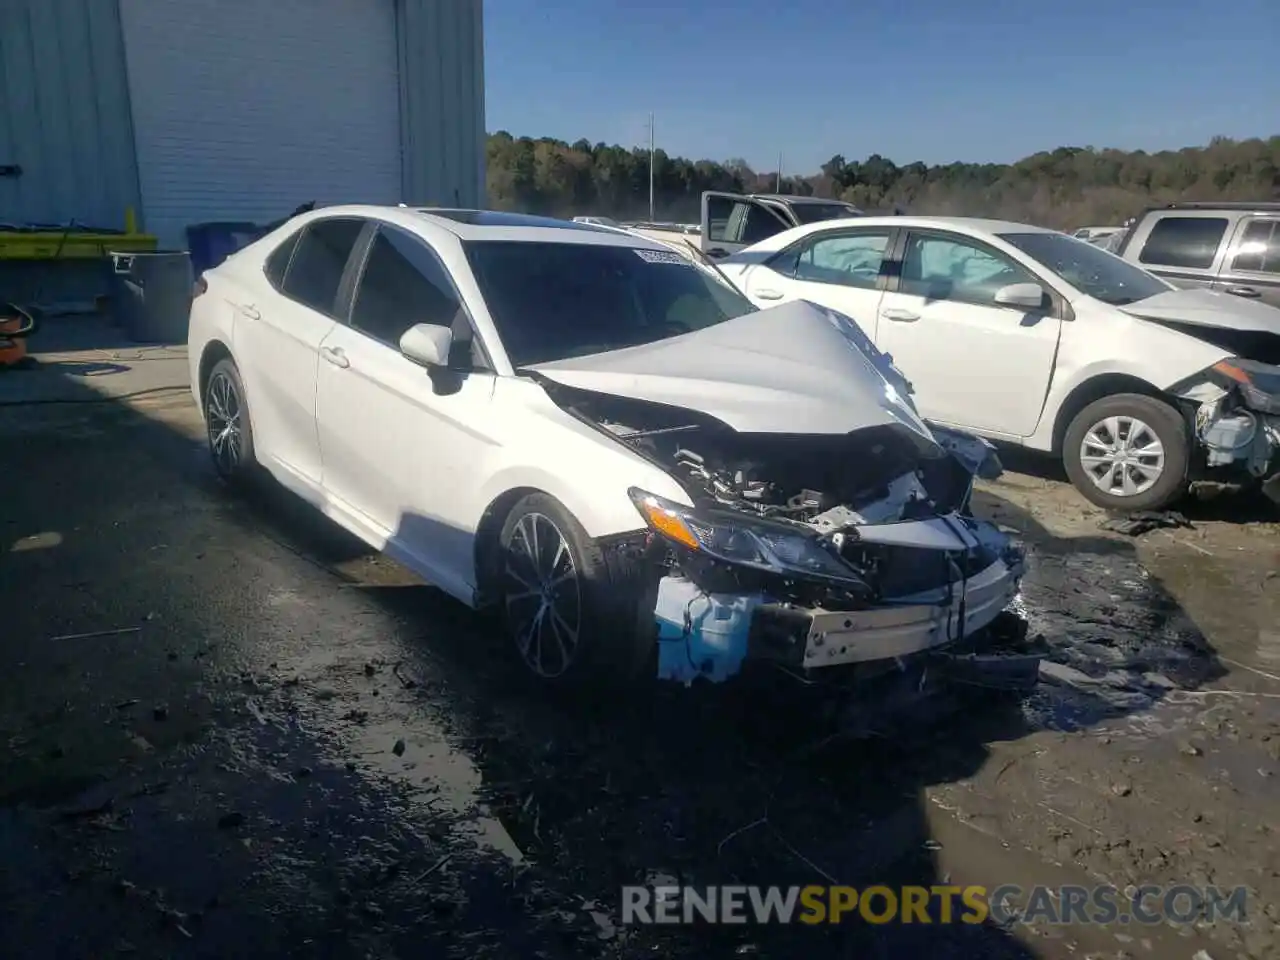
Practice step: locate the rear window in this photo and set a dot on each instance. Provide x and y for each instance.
(551, 301)
(1188, 242)
(315, 271)
(1259, 249)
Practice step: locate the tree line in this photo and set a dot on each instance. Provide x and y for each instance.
(1062, 188)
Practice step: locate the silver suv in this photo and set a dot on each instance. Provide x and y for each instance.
(1232, 247)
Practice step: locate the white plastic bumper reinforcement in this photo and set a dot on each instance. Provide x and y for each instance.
(911, 624)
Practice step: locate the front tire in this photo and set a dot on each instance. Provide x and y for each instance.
(227, 426)
(572, 609)
(1128, 452)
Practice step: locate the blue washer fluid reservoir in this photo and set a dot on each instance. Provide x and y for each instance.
(701, 634)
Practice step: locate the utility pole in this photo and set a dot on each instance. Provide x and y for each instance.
(651, 205)
(778, 188)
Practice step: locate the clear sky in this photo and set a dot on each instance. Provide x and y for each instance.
(932, 80)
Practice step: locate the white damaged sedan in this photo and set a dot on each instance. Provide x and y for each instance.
(606, 443)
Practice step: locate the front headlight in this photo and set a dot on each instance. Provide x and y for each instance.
(741, 541)
(1258, 383)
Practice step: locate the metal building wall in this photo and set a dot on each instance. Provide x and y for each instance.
(64, 113)
(65, 116)
(442, 101)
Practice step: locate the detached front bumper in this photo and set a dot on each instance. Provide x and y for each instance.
(817, 638)
(710, 635)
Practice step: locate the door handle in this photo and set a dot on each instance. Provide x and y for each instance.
(902, 316)
(249, 310)
(1247, 292)
(336, 356)
(767, 294)
(717, 252)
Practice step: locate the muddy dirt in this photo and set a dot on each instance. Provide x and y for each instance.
(231, 730)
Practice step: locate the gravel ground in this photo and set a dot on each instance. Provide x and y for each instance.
(231, 730)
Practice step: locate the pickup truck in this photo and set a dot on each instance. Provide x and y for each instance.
(1232, 247)
(733, 222)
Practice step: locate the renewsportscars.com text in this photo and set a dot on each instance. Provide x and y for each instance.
(943, 904)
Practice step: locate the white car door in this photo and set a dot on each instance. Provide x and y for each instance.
(731, 223)
(974, 364)
(399, 441)
(840, 269)
(277, 342)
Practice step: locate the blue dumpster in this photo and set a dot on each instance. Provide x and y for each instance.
(211, 243)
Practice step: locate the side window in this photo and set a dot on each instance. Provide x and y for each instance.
(403, 284)
(315, 271)
(278, 260)
(849, 260)
(718, 210)
(1259, 249)
(1187, 242)
(760, 224)
(740, 221)
(940, 269)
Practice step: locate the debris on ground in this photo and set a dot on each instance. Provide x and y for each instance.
(1131, 761)
(1144, 521)
(96, 634)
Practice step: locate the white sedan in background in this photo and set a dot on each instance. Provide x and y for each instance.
(607, 443)
(1031, 337)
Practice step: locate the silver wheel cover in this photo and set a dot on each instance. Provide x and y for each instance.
(1122, 456)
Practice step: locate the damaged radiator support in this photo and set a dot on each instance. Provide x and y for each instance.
(836, 557)
(962, 636)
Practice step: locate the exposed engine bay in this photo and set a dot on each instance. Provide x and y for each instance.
(826, 481)
(841, 551)
(1236, 412)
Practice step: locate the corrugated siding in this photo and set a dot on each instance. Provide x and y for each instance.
(442, 101)
(64, 113)
(245, 109)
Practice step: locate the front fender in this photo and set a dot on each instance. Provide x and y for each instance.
(599, 502)
(548, 449)
(1132, 348)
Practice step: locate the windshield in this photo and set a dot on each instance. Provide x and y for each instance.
(813, 212)
(550, 301)
(1089, 268)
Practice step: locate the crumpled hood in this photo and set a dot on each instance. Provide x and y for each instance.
(1208, 308)
(793, 368)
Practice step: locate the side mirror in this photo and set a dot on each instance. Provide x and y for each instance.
(427, 344)
(1028, 296)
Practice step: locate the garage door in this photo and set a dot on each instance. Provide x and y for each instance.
(245, 109)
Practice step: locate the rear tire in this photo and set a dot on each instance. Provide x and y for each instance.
(227, 424)
(1128, 452)
(573, 610)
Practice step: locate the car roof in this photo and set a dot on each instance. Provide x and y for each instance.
(790, 198)
(468, 224)
(969, 224)
(501, 225)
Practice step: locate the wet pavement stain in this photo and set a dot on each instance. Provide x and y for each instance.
(298, 750)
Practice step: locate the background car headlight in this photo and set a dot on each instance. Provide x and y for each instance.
(742, 542)
(1259, 383)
